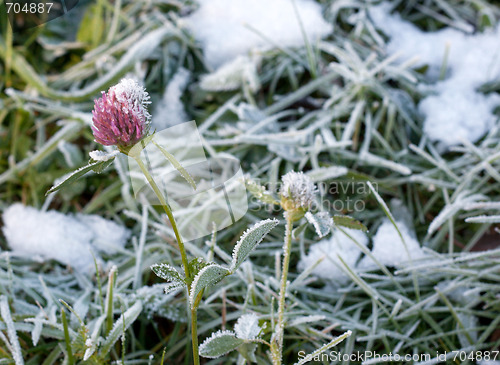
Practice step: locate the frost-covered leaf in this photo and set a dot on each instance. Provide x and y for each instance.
(167, 272)
(96, 166)
(247, 327)
(349, 222)
(326, 173)
(15, 347)
(460, 203)
(484, 219)
(233, 75)
(334, 342)
(220, 343)
(195, 265)
(208, 276)
(121, 325)
(322, 222)
(177, 165)
(249, 240)
(171, 275)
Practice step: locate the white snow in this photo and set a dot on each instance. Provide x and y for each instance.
(338, 244)
(388, 248)
(170, 110)
(69, 239)
(453, 110)
(228, 28)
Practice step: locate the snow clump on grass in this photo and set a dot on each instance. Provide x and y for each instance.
(69, 239)
(229, 28)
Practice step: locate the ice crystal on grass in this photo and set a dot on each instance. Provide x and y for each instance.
(247, 327)
(11, 331)
(232, 76)
(102, 155)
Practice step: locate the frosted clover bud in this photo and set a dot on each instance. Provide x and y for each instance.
(297, 193)
(120, 116)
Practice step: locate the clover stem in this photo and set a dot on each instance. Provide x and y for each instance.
(168, 211)
(277, 338)
(194, 336)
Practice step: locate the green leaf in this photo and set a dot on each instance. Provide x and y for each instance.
(322, 222)
(196, 264)
(247, 350)
(96, 166)
(297, 231)
(220, 343)
(92, 25)
(208, 276)
(249, 240)
(349, 222)
(177, 165)
(101, 165)
(171, 275)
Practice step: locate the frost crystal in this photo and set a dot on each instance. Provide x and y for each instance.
(247, 327)
(299, 189)
(102, 155)
(120, 117)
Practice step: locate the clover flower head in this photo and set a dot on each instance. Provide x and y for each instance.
(120, 116)
(297, 191)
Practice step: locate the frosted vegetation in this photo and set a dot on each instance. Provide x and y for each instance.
(389, 108)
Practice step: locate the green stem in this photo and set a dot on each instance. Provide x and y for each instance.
(71, 359)
(168, 211)
(194, 336)
(277, 340)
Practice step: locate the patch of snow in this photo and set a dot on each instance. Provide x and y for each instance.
(68, 239)
(170, 110)
(453, 109)
(228, 28)
(339, 244)
(389, 249)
